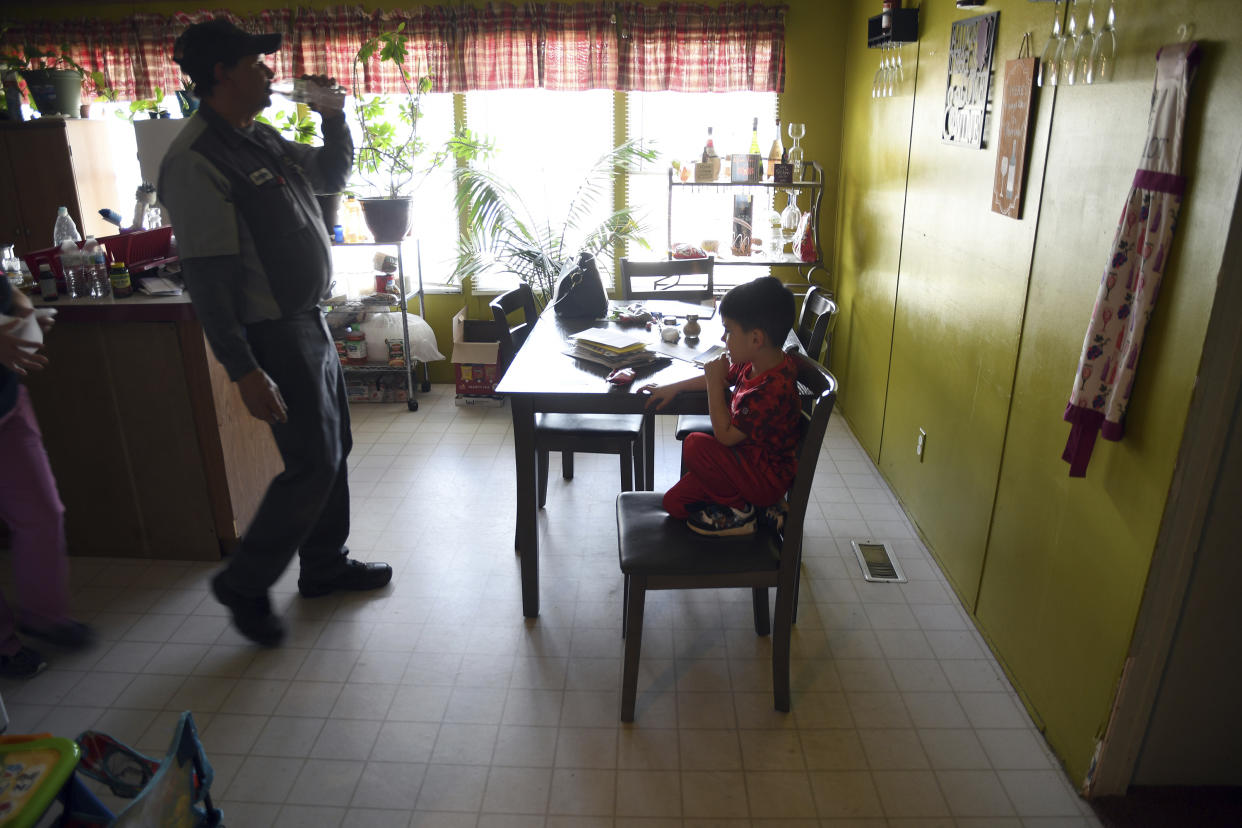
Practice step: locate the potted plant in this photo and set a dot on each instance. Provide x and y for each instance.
(53, 79)
(503, 234)
(392, 161)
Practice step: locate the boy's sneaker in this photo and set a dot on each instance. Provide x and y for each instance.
(773, 517)
(720, 521)
(22, 664)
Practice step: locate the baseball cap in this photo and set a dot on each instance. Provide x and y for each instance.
(201, 46)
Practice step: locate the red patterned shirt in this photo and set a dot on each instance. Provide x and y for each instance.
(767, 409)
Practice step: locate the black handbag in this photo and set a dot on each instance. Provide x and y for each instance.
(580, 291)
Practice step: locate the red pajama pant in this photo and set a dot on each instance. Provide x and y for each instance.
(716, 473)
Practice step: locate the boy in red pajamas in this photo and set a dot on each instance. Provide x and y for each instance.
(751, 459)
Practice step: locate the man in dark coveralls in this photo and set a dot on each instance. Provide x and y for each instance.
(257, 263)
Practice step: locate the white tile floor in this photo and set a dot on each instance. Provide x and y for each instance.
(434, 703)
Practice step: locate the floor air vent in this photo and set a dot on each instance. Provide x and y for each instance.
(878, 562)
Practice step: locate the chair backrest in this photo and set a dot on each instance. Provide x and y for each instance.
(513, 336)
(687, 280)
(818, 316)
(818, 390)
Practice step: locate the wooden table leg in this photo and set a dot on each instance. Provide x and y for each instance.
(527, 529)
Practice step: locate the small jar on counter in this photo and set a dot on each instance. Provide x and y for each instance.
(118, 275)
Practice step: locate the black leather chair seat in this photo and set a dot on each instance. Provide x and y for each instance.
(590, 426)
(688, 424)
(653, 543)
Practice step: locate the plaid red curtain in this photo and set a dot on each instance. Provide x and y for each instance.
(624, 46)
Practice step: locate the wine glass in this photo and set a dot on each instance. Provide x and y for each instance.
(796, 132)
(791, 215)
(1048, 60)
(1104, 52)
(1069, 45)
(1082, 50)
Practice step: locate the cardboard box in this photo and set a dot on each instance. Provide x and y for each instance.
(476, 352)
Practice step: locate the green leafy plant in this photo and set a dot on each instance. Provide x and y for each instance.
(504, 235)
(100, 88)
(151, 106)
(30, 58)
(296, 125)
(392, 160)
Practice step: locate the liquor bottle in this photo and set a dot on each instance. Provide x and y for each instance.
(710, 157)
(754, 137)
(709, 149)
(777, 151)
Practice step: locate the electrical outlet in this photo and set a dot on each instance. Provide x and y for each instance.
(918, 449)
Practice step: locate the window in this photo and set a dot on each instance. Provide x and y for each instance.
(545, 142)
(676, 123)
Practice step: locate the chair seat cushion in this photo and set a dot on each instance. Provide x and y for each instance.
(651, 542)
(590, 425)
(688, 424)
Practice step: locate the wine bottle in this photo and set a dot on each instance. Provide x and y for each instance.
(777, 151)
(754, 137)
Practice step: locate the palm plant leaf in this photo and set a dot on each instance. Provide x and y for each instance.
(502, 234)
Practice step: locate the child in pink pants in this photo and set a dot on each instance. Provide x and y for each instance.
(31, 507)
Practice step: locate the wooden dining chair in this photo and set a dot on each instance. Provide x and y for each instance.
(660, 552)
(686, 280)
(815, 321)
(619, 434)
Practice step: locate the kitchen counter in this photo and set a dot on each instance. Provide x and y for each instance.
(154, 453)
(136, 308)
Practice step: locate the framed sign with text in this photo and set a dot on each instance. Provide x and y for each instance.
(1015, 119)
(971, 44)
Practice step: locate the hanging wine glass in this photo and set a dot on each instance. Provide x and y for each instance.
(1069, 47)
(1083, 67)
(796, 132)
(1104, 52)
(791, 215)
(1048, 60)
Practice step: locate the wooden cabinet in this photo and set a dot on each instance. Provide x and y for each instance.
(50, 163)
(154, 453)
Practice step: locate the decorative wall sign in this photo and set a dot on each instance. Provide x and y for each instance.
(1015, 118)
(970, 78)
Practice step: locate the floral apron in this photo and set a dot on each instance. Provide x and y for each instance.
(1131, 281)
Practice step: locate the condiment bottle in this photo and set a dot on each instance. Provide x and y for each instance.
(47, 283)
(118, 275)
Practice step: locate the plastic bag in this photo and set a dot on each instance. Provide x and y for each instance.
(422, 339)
(380, 327)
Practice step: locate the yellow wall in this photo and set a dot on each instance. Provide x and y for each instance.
(969, 325)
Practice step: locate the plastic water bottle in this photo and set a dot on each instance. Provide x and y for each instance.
(65, 229)
(71, 267)
(95, 269)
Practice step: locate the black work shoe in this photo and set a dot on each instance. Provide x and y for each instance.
(356, 576)
(253, 617)
(70, 634)
(22, 664)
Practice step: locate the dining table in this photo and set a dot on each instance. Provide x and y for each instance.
(543, 377)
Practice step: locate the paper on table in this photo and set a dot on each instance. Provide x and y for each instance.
(158, 286)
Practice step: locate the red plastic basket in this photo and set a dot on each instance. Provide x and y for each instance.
(140, 250)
